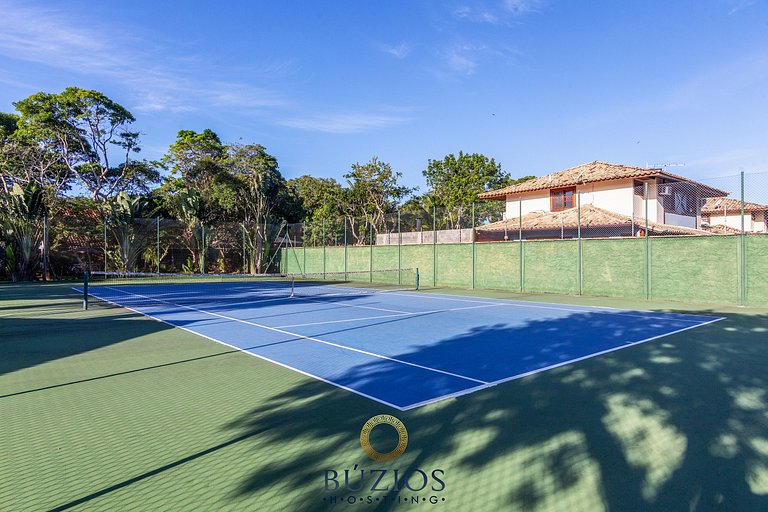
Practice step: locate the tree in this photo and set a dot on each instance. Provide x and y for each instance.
(373, 193)
(24, 160)
(197, 161)
(24, 214)
(124, 219)
(259, 187)
(86, 129)
(323, 203)
(454, 183)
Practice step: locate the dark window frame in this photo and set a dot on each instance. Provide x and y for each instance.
(564, 199)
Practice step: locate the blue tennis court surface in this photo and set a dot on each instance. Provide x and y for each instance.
(403, 349)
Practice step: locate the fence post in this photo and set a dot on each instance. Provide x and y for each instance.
(399, 258)
(370, 266)
(247, 270)
(346, 277)
(520, 241)
(158, 244)
(434, 246)
(647, 255)
(44, 248)
(203, 250)
(743, 250)
(323, 232)
(473, 244)
(579, 267)
(304, 245)
(105, 244)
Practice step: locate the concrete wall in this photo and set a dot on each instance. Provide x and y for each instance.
(444, 236)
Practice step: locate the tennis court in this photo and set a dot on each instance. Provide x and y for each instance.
(401, 348)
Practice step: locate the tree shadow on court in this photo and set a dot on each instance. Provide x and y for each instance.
(678, 423)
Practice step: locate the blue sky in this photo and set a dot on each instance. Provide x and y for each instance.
(538, 85)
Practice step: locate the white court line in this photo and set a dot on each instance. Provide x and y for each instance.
(557, 365)
(244, 351)
(301, 336)
(483, 385)
(544, 305)
(414, 314)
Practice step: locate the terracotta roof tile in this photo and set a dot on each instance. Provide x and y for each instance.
(591, 216)
(589, 173)
(715, 205)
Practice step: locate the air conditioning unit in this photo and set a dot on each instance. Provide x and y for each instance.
(665, 190)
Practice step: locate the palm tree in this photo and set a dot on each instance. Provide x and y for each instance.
(25, 213)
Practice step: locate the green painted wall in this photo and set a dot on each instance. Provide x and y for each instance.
(454, 265)
(497, 266)
(550, 266)
(757, 270)
(695, 269)
(419, 256)
(688, 269)
(613, 268)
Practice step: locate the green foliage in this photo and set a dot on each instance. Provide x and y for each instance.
(85, 128)
(24, 214)
(131, 230)
(454, 183)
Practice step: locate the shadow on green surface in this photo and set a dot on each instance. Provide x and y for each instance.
(679, 423)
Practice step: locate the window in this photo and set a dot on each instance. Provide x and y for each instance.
(562, 199)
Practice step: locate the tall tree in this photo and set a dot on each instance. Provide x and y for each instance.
(324, 202)
(198, 161)
(260, 187)
(373, 193)
(24, 159)
(89, 132)
(22, 219)
(454, 183)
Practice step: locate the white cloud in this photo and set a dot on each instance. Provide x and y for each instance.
(459, 60)
(400, 51)
(344, 123)
(53, 38)
(497, 12)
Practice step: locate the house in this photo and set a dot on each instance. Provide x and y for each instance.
(724, 211)
(612, 200)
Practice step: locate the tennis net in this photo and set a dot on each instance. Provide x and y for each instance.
(130, 289)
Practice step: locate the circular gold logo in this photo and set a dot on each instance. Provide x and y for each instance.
(384, 419)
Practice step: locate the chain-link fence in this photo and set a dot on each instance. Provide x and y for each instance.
(658, 237)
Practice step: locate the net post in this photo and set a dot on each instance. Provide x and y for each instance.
(293, 285)
(85, 289)
(417, 278)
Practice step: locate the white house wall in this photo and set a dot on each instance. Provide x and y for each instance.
(615, 196)
(734, 221)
